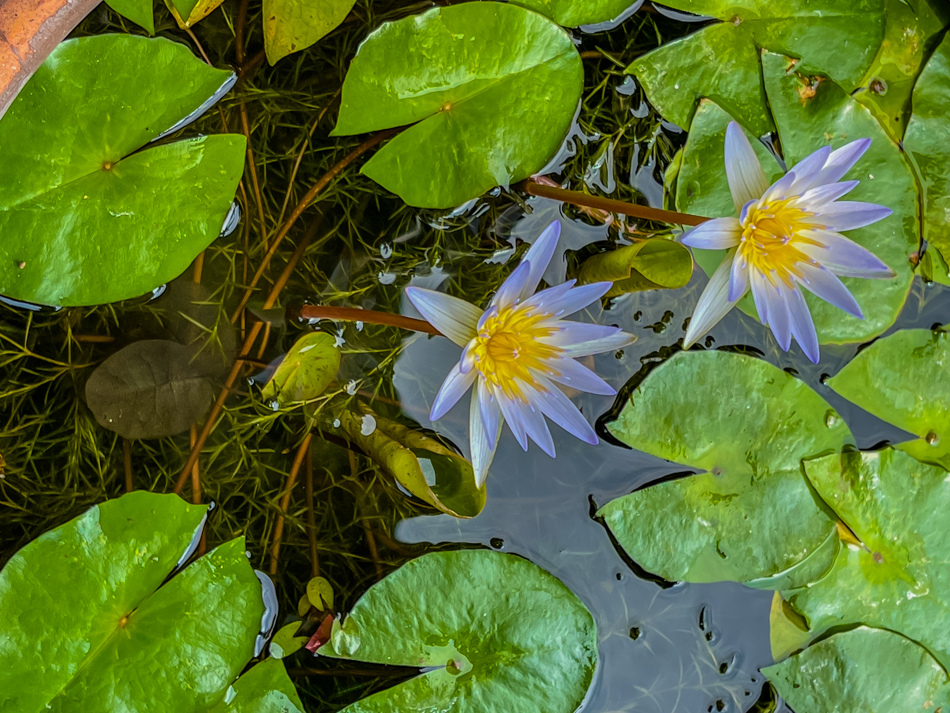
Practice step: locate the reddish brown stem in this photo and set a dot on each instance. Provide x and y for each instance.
(302, 453)
(611, 206)
(127, 461)
(354, 314)
(311, 520)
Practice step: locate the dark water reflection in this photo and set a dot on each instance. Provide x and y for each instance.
(685, 648)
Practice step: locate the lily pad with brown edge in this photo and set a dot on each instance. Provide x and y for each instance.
(864, 669)
(646, 265)
(904, 379)
(721, 60)
(486, 90)
(306, 371)
(749, 514)
(92, 213)
(419, 462)
(490, 631)
(188, 12)
(899, 575)
(86, 606)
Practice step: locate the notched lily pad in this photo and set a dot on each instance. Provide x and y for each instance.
(307, 370)
(481, 115)
(90, 213)
(483, 644)
(749, 513)
(646, 265)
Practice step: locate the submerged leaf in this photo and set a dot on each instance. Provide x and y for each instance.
(118, 221)
(863, 669)
(646, 265)
(307, 370)
(572, 13)
(749, 514)
(420, 463)
(294, 25)
(489, 89)
(491, 631)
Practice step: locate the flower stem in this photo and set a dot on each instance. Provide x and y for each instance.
(611, 206)
(353, 314)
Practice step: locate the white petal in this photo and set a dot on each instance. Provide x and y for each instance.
(511, 411)
(808, 169)
(717, 234)
(825, 285)
(556, 406)
(738, 280)
(803, 328)
(843, 256)
(747, 180)
(597, 346)
(534, 424)
(569, 333)
(713, 303)
(455, 318)
(452, 389)
(780, 189)
(490, 412)
(841, 160)
(578, 376)
(539, 257)
(778, 315)
(482, 451)
(760, 287)
(511, 289)
(850, 215)
(815, 199)
(573, 300)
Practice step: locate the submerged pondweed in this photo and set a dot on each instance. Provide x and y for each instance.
(517, 352)
(787, 235)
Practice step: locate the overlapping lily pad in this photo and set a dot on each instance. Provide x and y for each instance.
(571, 13)
(85, 612)
(862, 670)
(899, 576)
(489, 90)
(491, 631)
(904, 379)
(646, 265)
(89, 213)
(839, 39)
(749, 514)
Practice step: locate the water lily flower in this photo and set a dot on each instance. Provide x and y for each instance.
(787, 236)
(518, 353)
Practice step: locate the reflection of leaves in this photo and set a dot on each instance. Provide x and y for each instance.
(450, 72)
(86, 606)
(483, 643)
(646, 265)
(420, 463)
(294, 25)
(862, 670)
(306, 371)
(747, 425)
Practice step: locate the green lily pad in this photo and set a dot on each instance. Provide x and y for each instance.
(934, 268)
(898, 578)
(808, 118)
(86, 610)
(750, 514)
(495, 632)
(138, 11)
(307, 370)
(911, 30)
(489, 89)
(721, 61)
(867, 670)
(573, 13)
(89, 213)
(927, 143)
(904, 379)
(646, 265)
(266, 688)
(188, 12)
(286, 642)
(294, 25)
(420, 463)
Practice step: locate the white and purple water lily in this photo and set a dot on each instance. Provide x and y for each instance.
(787, 235)
(517, 353)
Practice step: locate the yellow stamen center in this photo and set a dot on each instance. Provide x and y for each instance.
(771, 238)
(507, 349)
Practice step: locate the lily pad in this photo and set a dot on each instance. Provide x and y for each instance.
(492, 631)
(864, 669)
(294, 25)
(927, 142)
(266, 688)
(899, 576)
(306, 371)
(85, 610)
(188, 12)
(490, 90)
(904, 379)
(572, 13)
(750, 513)
(420, 463)
(89, 213)
(646, 265)
(138, 11)
(721, 61)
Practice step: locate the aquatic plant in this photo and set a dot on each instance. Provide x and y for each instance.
(787, 235)
(517, 351)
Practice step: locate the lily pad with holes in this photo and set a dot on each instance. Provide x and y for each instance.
(572, 13)
(898, 577)
(839, 39)
(490, 630)
(904, 379)
(646, 265)
(90, 212)
(488, 92)
(749, 514)
(862, 670)
(86, 614)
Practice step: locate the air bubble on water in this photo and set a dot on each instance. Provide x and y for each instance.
(351, 387)
(367, 425)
